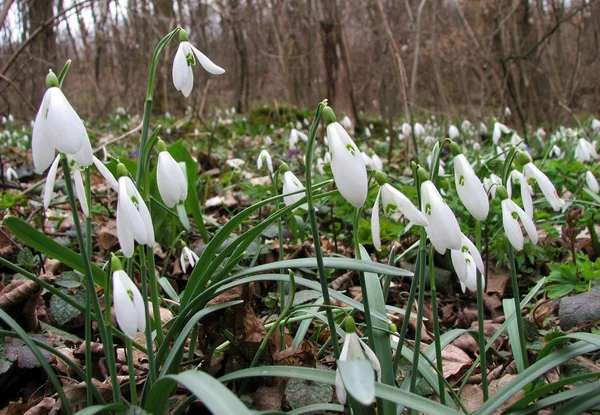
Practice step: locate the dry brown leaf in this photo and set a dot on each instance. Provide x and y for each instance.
(497, 279)
(42, 408)
(107, 236)
(454, 360)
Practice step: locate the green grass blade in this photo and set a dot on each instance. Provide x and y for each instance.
(97, 409)
(319, 408)
(513, 333)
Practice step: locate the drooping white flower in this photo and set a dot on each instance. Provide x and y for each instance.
(466, 262)
(108, 176)
(320, 165)
(367, 160)
(511, 215)
(264, 157)
(418, 130)
(470, 189)
(129, 305)
(541, 134)
(466, 125)
(347, 165)
(499, 129)
(171, 180)
(58, 127)
(268, 141)
(585, 151)
(453, 132)
(393, 201)
(490, 184)
(591, 181)
(295, 135)
(406, 129)
(346, 122)
(483, 128)
(595, 124)
(507, 112)
(185, 58)
(133, 218)
(443, 230)
(526, 190)
(11, 175)
(187, 255)
(298, 125)
(291, 184)
(555, 151)
(355, 349)
(367, 132)
(532, 173)
(377, 162)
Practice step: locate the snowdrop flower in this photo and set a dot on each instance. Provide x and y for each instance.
(298, 125)
(541, 134)
(591, 182)
(183, 76)
(346, 122)
(441, 170)
(128, 302)
(406, 129)
(483, 128)
(511, 216)
(11, 118)
(306, 122)
(77, 179)
(499, 129)
(4, 120)
(377, 162)
(453, 132)
(507, 112)
(443, 230)
(465, 125)
(58, 127)
(11, 175)
(491, 183)
(476, 146)
(533, 174)
(294, 136)
(469, 187)
(393, 201)
(133, 217)
(264, 157)
(429, 139)
(526, 191)
(501, 154)
(585, 151)
(347, 164)
(187, 255)
(367, 160)
(555, 151)
(355, 349)
(291, 184)
(595, 124)
(170, 178)
(320, 165)
(418, 130)
(367, 132)
(466, 262)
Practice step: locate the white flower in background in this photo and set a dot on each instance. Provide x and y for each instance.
(187, 256)
(4, 120)
(585, 151)
(406, 129)
(591, 182)
(393, 201)
(466, 125)
(517, 141)
(541, 134)
(453, 132)
(441, 170)
(11, 175)
(377, 162)
(555, 151)
(532, 173)
(526, 190)
(354, 349)
(346, 122)
(401, 137)
(476, 146)
(11, 118)
(491, 183)
(470, 189)
(264, 157)
(291, 184)
(483, 128)
(298, 125)
(268, 141)
(58, 127)
(129, 305)
(418, 130)
(347, 164)
(499, 129)
(320, 165)
(185, 58)
(511, 215)
(170, 178)
(306, 122)
(507, 112)
(367, 132)
(367, 160)
(133, 218)
(443, 230)
(501, 154)
(296, 135)
(466, 262)
(595, 124)
(429, 139)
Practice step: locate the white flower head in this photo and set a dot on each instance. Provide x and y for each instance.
(346, 122)
(187, 256)
(368, 161)
(499, 129)
(507, 112)
(595, 124)
(511, 215)
(453, 132)
(466, 125)
(129, 305)
(491, 183)
(377, 162)
(526, 190)
(264, 157)
(298, 125)
(470, 189)
(133, 218)
(354, 349)
(11, 175)
(406, 129)
(591, 181)
(170, 178)
(185, 58)
(466, 262)
(347, 165)
(443, 230)
(483, 128)
(585, 151)
(58, 127)
(532, 173)
(291, 184)
(418, 130)
(555, 151)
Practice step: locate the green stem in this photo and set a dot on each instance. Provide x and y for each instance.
(281, 256)
(109, 349)
(361, 277)
(88, 293)
(315, 229)
(151, 361)
(519, 317)
(131, 372)
(436, 328)
(154, 296)
(420, 276)
(480, 320)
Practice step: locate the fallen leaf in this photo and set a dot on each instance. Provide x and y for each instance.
(454, 360)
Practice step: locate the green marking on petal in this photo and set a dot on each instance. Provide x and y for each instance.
(515, 215)
(390, 209)
(351, 149)
(464, 249)
(461, 180)
(428, 209)
(130, 294)
(134, 200)
(189, 57)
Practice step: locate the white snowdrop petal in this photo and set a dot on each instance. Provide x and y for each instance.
(108, 176)
(125, 311)
(470, 189)
(291, 184)
(512, 229)
(591, 182)
(80, 191)
(375, 227)
(168, 179)
(206, 63)
(50, 180)
(41, 147)
(183, 77)
(64, 128)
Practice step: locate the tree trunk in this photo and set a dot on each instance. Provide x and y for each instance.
(43, 46)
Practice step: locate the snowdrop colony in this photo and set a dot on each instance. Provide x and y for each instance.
(366, 367)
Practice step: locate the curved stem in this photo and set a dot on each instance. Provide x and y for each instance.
(315, 229)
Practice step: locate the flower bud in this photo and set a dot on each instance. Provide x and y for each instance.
(329, 115)
(51, 80)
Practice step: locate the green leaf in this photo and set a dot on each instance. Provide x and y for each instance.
(64, 312)
(513, 334)
(96, 409)
(359, 379)
(25, 258)
(216, 397)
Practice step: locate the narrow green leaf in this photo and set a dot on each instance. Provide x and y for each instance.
(513, 333)
(96, 409)
(319, 408)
